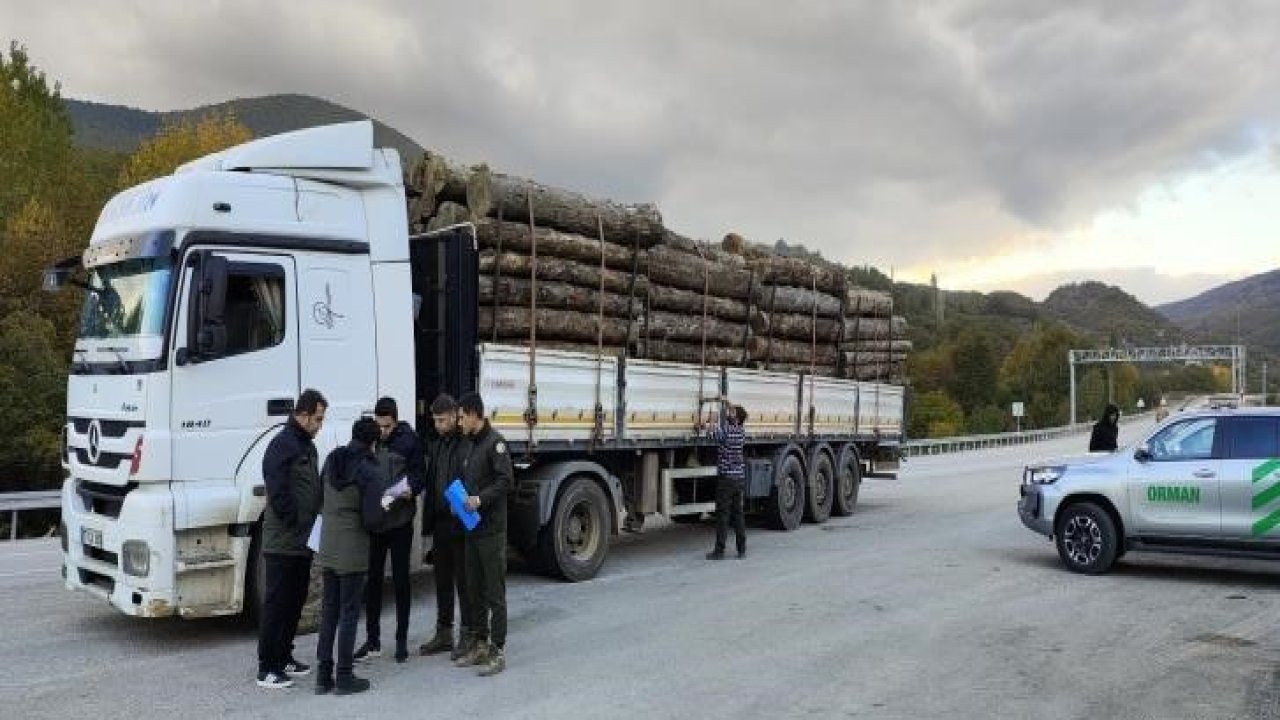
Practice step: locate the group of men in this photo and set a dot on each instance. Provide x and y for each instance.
(356, 510)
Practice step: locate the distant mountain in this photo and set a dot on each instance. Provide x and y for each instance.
(1111, 315)
(121, 129)
(1251, 305)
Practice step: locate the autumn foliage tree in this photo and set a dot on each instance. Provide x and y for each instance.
(181, 142)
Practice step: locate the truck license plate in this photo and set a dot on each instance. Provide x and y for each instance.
(91, 537)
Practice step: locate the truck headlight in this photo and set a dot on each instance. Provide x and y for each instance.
(1043, 475)
(137, 558)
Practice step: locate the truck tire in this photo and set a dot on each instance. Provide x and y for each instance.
(848, 482)
(786, 501)
(1086, 538)
(574, 544)
(822, 486)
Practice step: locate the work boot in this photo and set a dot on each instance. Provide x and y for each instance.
(465, 643)
(402, 651)
(442, 641)
(496, 662)
(324, 679)
(478, 655)
(350, 685)
(715, 555)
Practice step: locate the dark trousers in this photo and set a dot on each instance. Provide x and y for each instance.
(340, 616)
(287, 580)
(487, 585)
(397, 542)
(729, 509)
(451, 578)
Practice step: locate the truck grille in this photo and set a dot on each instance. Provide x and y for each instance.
(106, 500)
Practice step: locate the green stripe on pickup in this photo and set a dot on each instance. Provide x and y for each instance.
(1265, 469)
(1266, 496)
(1266, 524)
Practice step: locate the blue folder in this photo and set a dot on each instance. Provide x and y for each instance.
(457, 495)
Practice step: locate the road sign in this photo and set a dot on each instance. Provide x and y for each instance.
(1018, 409)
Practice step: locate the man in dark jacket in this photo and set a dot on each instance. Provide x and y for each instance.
(487, 474)
(730, 484)
(446, 450)
(400, 456)
(1106, 432)
(291, 475)
(353, 506)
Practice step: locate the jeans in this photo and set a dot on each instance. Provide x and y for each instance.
(287, 579)
(451, 574)
(397, 542)
(340, 615)
(729, 509)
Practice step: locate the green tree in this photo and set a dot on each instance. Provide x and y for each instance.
(1037, 372)
(973, 382)
(987, 419)
(32, 401)
(35, 133)
(181, 142)
(934, 414)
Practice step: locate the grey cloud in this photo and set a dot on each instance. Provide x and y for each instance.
(893, 133)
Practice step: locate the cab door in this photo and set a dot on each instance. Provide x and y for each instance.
(1251, 479)
(1174, 481)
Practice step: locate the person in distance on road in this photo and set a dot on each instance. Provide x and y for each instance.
(730, 480)
(1106, 431)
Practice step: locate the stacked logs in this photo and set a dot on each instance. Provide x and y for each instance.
(612, 278)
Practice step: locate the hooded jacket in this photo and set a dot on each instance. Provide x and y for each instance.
(352, 508)
(1106, 432)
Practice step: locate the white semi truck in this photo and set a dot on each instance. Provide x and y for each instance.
(214, 295)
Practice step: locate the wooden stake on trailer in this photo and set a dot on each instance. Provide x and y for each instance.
(531, 411)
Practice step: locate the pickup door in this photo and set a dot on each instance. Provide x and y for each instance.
(1251, 479)
(1175, 491)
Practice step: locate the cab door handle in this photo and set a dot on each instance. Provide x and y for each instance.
(1205, 474)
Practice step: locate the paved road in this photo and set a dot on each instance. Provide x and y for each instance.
(931, 601)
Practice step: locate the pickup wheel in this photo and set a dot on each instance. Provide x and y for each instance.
(786, 502)
(573, 545)
(1086, 538)
(848, 482)
(821, 491)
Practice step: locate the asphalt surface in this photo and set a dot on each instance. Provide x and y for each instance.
(930, 601)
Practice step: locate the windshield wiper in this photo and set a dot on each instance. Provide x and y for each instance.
(79, 362)
(124, 364)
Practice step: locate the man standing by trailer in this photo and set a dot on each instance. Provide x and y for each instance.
(487, 474)
(291, 474)
(731, 471)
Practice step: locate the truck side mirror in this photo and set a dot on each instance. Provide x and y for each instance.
(206, 329)
(1142, 453)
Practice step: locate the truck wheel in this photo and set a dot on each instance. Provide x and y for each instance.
(848, 482)
(573, 545)
(821, 491)
(786, 501)
(1086, 538)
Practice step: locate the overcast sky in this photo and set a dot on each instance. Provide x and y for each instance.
(1003, 144)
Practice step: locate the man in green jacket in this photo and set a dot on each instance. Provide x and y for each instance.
(353, 507)
(291, 474)
(487, 474)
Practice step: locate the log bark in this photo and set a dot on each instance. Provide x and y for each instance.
(517, 291)
(788, 326)
(512, 323)
(560, 270)
(784, 299)
(864, 357)
(874, 328)
(437, 180)
(718, 256)
(668, 266)
(553, 243)
(790, 351)
(690, 353)
(898, 347)
(689, 328)
(781, 270)
(662, 297)
(489, 194)
(861, 301)
(448, 213)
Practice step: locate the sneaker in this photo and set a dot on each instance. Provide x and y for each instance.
(478, 655)
(350, 685)
(368, 650)
(496, 663)
(715, 555)
(742, 553)
(324, 684)
(402, 652)
(296, 668)
(442, 641)
(463, 647)
(274, 680)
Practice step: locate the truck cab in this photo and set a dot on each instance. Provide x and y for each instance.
(211, 298)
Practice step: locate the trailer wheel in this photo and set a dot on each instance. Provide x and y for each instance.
(573, 545)
(822, 485)
(848, 482)
(786, 501)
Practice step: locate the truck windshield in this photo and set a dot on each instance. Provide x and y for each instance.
(127, 299)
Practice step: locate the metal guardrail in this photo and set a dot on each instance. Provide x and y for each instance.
(13, 502)
(916, 448)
